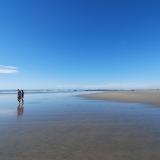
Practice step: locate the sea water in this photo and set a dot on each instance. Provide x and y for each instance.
(62, 125)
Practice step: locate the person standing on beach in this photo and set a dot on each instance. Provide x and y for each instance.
(22, 95)
(19, 96)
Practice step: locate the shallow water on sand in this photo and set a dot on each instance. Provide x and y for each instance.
(64, 126)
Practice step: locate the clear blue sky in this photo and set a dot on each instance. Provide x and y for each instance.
(47, 44)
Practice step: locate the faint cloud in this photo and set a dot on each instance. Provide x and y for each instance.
(8, 69)
(124, 86)
(64, 86)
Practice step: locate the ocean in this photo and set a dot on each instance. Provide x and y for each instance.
(40, 91)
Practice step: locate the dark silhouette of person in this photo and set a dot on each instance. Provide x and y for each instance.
(19, 96)
(22, 92)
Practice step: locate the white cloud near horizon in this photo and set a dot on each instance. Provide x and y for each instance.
(64, 86)
(8, 69)
(113, 86)
(124, 86)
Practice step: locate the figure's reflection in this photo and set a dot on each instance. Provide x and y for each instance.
(20, 109)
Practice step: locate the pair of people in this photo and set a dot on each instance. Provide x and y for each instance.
(20, 96)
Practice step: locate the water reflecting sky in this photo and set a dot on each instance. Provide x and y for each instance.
(64, 126)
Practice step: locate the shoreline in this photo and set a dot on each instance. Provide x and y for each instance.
(134, 96)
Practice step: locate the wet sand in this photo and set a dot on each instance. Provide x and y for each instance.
(61, 126)
(140, 96)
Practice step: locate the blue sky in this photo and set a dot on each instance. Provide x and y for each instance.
(49, 44)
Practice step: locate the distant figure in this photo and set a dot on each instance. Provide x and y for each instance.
(19, 96)
(22, 96)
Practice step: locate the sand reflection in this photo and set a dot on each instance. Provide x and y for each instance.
(20, 110)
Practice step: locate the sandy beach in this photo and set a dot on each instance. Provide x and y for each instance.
(139, 96)
(67, 127)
